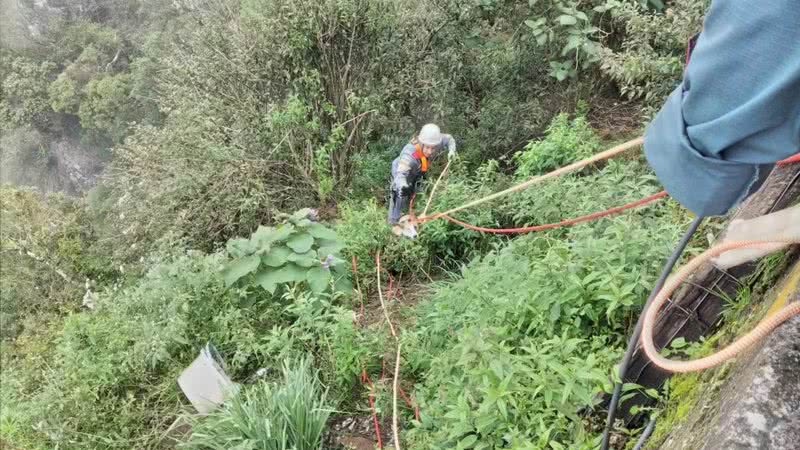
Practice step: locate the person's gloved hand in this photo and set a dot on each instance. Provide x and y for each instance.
(451, 149)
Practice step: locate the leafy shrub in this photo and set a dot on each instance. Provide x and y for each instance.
(647, 62)
(327, 331)
(38, 276)
(24, 86)
(615, 184)
(449, 244)
(298, 251)
(289, 414)
(194, 197)
(110, 382)
(565, 31)
(364, 231)
(565, 141)
(372, 170)
(105, 106)
(503, 353)
(93, 83)
(70, 39)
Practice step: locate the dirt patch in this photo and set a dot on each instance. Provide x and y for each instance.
(614, 117)
(400, 294)
(357, 432)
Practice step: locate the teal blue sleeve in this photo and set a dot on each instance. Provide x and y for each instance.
(737, 110)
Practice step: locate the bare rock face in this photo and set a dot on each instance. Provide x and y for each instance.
(51, 164)
(758, 405)
(25, 22)
(76, 166)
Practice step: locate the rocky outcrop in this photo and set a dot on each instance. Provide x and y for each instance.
(757, 404)
(63, 164)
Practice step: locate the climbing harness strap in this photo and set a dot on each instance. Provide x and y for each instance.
(420, 156)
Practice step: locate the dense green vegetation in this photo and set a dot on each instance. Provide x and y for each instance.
(223, 121)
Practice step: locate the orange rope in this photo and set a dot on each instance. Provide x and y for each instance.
(563, 223)
(759, 332)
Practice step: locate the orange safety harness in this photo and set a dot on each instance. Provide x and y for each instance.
(419, 156)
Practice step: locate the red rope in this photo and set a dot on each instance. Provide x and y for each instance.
(389, 291)
(410, 403)
(563, 223)
(365, 380)
(789, 160)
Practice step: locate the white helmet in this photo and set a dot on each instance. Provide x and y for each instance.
(430, 135)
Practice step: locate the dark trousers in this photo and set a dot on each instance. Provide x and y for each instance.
(397, 203)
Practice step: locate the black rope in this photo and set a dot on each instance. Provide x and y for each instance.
(648, 430)
(634, 339)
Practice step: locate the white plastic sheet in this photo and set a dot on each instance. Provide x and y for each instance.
(205, 382)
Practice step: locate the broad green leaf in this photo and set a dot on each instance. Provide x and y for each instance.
(266, 279)
(485, 423)
(307, 259)
(240, 267)
(572, 43)
(262, 238)
(342, 284)
(269, 279)
(567, 20)
(291, 272)
(300, 243)
(283, 232)
(555, 312)
(318, 278)
(468, 442)
(501, 405)
(678, 343)
(320, 231)
(277, 256)
(328, 247)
